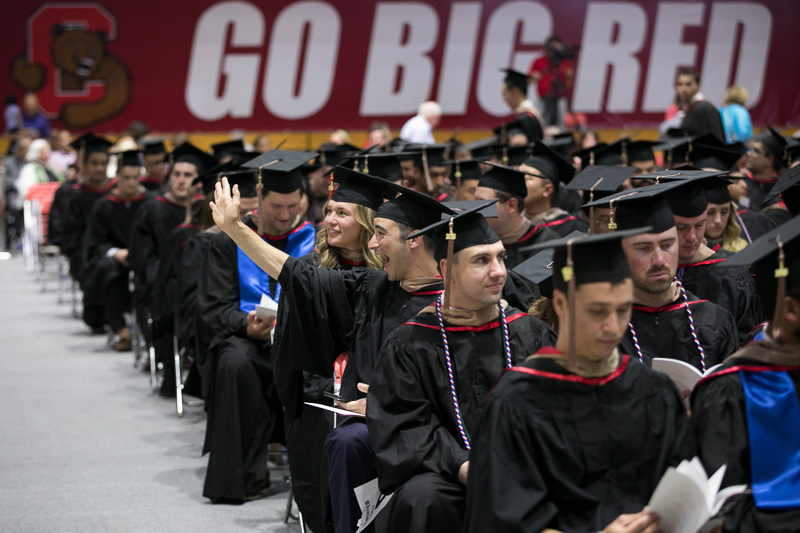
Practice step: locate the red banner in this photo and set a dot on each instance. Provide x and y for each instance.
(205, 65)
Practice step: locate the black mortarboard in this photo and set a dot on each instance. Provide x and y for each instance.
(187, 153)
(436, 155)
(222, 149)
(524, 124)
(412, 208)
(332, 154)
(466, 170)
(280, 169)
(638, 208)
(129, 159)
(777, 145)
(515, 155)
(487, 209)
(718, 193)
(515, 78)
(679, 151)
(245, 178)
(599, 181)
(483, 148)
(552, 166)
(97, 144)
(538, 269)
(155, 146)
(705, 156)
(688, 198)
(774, 275)
(561, 143)
(640, 150)
(408, 155)
(504, 179)
(588, 156)
(81, 141)
(359, 188)
(788, 187)
(612, 154)
(383, 165)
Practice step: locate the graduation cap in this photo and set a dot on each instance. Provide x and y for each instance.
(612, 154)
(96, 145)
(688, 197)
(81, 141)
(188, 153)
(680, 151)
(332, 154)
(640, 150)
(599, 181)
(717, 192)
(483, 149)
(516, 155)
(777, 145)
(487, 209)
(359, 188)
(637, 208)
(515, 78)
(561, 143)
(382, 165)
(788, 187)
(222, 149)
(587, 259)
(457, 232)
(129, 158)
(245, 178)
(412, 208)
(466, 170)
(706, 156)
(505, 180)
(524, 124)
(538, 269)
(774, 259)
(588, 156)
(551, 165)
(155, 146)
(436, 155)
(280, 170)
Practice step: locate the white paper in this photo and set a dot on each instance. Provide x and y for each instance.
(337, 410)
(371, 502)
(684, 375)
(267, 308)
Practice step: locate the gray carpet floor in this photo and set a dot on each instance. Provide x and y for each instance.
(85, 446)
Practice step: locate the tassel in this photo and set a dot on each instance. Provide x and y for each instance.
(451, 239)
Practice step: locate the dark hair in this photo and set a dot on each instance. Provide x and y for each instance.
(11, 99)
(406, 230)
(690, 72)
(87, 153)
(553, 39)
(505, 197)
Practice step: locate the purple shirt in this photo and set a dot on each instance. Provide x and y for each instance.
(37, 122)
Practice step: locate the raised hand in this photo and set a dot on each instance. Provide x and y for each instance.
(225, 207)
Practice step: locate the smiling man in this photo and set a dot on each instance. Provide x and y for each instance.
(419, 426)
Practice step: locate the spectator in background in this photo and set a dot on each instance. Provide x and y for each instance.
(12, 114)
(554, 74)
(261, 144)
(36, 170)
(32, 117)
(378, 134)
(340, 137)
(62, 155)
(735, 117)
(419, 128)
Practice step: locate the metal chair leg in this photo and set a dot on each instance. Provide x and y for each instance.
(178, 381)
(152, 351)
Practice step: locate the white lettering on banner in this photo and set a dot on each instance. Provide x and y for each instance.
(455, 77)
(756, 21)
(668, 52)
(319, 62)
(395, 62)
(498, 49)
(210, 67)
(599, 51)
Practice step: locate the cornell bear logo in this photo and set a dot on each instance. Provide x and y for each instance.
(79, 59)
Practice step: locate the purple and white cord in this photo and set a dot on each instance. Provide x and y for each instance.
(746, 233)
(506, 344)
(635, 341)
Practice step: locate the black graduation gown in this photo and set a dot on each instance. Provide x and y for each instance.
(306, 435)
(754, 224)
(151, 229)
(410, 413)
(732, 288)
(778, 215)
(152, 184)
(565, 224)
(73, 204)
(238, 382)
(105, 279)
(757, 191)
(556, 450)
(664, 332)
(719, 423)
(519, 251)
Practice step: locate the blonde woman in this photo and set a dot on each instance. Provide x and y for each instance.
(722, 229)
(343, 238)
(735, 117)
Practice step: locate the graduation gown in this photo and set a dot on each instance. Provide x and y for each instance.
(758, 189)
(665, 332)
(721, 431)
(243, 410)
(151, 229)
(561, 222)
(753, 223)
(410, 413)
(557, 450)
(152, 184)
(73, 204)
(519, 251)
(732, 288)
(105, 279)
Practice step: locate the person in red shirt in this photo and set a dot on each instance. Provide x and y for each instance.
(553, 73)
